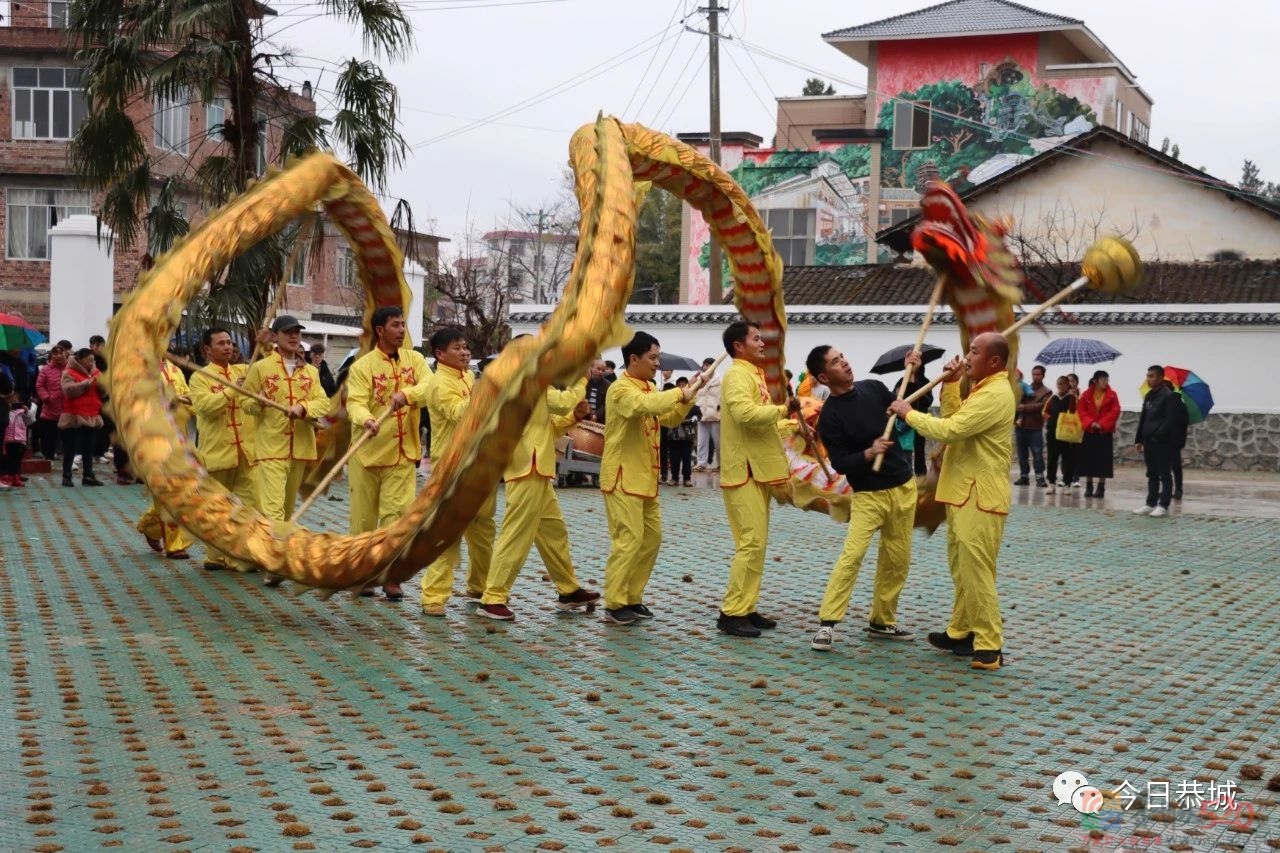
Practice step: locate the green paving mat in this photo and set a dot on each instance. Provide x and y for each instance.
(153, 706)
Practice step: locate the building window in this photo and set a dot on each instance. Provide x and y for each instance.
(30, 215)
(345, 268)
(911, 124)
(48, 103)
(793, 234)
(58, 14)
(171, 123)
(215, 115)
(1141, 133)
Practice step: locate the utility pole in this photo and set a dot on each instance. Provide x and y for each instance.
(540, 227)
(716, 285)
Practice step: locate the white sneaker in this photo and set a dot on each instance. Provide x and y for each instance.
(1076, 484)
(1159, 512)
(824, 639)
(1144, 510)
(75, 463)
(1050, 489)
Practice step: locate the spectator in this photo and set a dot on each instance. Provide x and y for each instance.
(1163, 417)
(597, 385)
(81, 418)
(1179, 442)
(1099, 410)
(315, 356)
(6, 391)
(924, 404)
(708, 402)
(790, 376)
(103, 446)
(49, 394)
(682, 438)
(21, 416)
(13, 363)
(665, 461)
(1075, 392)
(1030, 429)
(1064, 451)
(610, 372)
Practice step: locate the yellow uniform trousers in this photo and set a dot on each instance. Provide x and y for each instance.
(156, 527)
(437, 580)
(532, 518)
(973, 541)
(379, 496)
(277, 486)
(893, 513)
(239, 481)
(635, 529)
(747, 507)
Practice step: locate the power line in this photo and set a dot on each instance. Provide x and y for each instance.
(685, 93)
(627, 109)
(676, 83)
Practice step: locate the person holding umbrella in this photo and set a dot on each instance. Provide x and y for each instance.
(893, 361)
(1163, 417)
(1099, 410)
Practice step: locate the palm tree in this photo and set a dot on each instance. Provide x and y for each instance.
(149, 59)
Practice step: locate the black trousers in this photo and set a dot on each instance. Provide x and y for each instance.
(665, 461)
(681, 460)
(11, 465)
(1064, 452)
(921, 460)
(46, 437)
(1177, 471)
(79, 440)
(1159, 461)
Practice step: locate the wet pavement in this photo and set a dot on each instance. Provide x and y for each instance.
(151, 705)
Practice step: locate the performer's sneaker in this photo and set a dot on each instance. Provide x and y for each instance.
(472, 596)
(211, 566)
(824, 639)
(495, 611)
(943, 641)
(433, 609)
(272, 580)
(889, 632)
(987, 659)
(621, 616)
(577, 600)
(737, 626)
(1143, 510)
(180, 554)
(761, 622)
(641, 611)
(154, 544)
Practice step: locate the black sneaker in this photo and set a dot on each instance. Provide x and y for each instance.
(943, 641)
(737, 626)
(69, 483)
(1177, 496)
(621, 616)
(987, 659)
(763, 622)
(1022, 481)
(641, 611)
(889, 632)
(1040, 482)
(579, 599)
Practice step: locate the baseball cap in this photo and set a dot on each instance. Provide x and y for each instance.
(286, 323)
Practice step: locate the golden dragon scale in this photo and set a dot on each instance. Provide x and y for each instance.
(608, 159)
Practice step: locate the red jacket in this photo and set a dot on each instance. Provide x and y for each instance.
(49, 392)
(1105, 416)
(87, 404)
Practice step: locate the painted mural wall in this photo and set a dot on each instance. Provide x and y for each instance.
(982, 110)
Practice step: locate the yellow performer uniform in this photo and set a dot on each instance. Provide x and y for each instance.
(226, 440)
(752, 462)
(883, 501)
(974, 484)
(381, 476)
(161, 533)
(533, 513)
(629, 480)
(282, 446)
(447, 402)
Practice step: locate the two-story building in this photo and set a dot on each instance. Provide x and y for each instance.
(42, 105)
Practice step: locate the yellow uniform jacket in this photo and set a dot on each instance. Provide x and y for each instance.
(536, 451)
(277, 436)
(226, 430)
(636, 409)
(978, 432)
(371, 383)
(175, 386)
(749, 429)
(447, 402)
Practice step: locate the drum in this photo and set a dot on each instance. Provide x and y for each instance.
(588, 437)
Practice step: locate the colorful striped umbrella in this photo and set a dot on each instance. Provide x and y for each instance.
(17, 333)
(1194, 391)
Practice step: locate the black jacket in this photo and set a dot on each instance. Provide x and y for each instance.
(849, 424)
(1164, 418)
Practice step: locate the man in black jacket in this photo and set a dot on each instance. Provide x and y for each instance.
(851, 425)
(1164, 417)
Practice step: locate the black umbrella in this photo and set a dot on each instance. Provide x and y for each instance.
(669, 361)
(892, 361)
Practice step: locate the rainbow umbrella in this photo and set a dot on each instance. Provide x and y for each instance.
(17, 333)
(1194, 391)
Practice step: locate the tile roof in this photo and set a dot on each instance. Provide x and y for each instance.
(1167, 283)
(956, 17)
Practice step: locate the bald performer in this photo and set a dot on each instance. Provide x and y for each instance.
(974, 484)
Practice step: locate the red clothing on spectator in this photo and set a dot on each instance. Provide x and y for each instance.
(1106, 416)
(49, 392)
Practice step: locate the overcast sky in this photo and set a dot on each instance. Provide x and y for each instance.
(473, 169)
